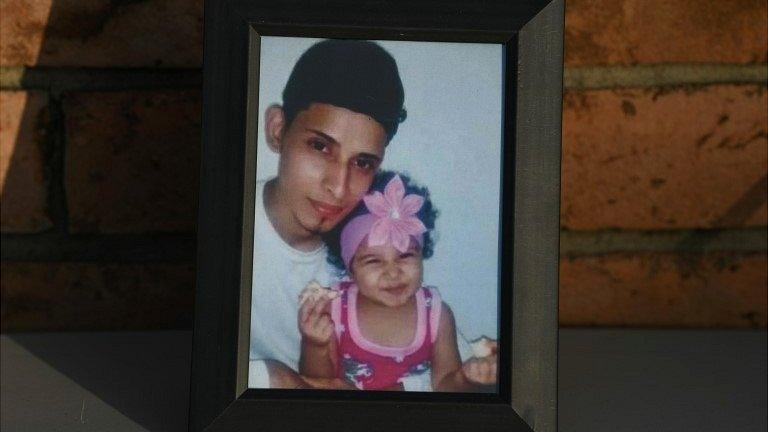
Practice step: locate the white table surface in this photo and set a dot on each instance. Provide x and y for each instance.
(609, 380)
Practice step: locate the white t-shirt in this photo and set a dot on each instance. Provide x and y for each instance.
(280, 273)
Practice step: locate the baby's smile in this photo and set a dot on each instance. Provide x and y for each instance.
(395, 289)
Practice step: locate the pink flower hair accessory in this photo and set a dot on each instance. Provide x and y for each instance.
(392, 219)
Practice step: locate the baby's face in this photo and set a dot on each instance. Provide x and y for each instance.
(385, 275)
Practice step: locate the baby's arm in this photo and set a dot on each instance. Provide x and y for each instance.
(318, 343)
(448, 374)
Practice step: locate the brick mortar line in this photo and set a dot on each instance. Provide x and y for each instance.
(128, 248)
(575, 78)
(663, 75)
(58, 80)
(118, 248)
(595, 243)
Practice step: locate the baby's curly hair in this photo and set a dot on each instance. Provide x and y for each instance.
(427, 215)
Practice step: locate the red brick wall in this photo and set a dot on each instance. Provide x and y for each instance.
(664, 163)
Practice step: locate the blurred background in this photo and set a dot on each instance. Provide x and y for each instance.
(664, 163)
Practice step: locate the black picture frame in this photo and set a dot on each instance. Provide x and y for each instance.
(532, 34)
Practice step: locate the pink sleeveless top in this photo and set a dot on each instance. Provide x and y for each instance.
(370, 366)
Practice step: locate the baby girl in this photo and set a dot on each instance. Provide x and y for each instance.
(381, 325)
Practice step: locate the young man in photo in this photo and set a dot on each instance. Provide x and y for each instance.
(341, 106)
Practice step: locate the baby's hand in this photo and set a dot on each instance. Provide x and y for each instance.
(315, 322)
(314, 291)
(481, 370)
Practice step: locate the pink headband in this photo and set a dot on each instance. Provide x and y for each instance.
(392, 219)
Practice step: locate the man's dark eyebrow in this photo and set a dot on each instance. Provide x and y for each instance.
(324, 135)
(372, 156)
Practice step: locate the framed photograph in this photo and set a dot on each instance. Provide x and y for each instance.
(379, 216)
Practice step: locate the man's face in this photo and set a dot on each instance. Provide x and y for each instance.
(328, 158)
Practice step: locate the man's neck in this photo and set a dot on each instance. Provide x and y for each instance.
(284, 223)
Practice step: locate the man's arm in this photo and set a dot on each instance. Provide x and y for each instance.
(283, 377)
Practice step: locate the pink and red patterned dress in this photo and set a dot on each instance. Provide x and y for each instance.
(370, 366)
